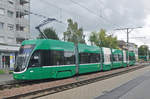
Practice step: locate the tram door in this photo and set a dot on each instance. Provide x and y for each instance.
(124, 57)
(35, 70)
(107, 57)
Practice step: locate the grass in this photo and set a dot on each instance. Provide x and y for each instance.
(2, 71)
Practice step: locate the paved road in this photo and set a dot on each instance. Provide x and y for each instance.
(6, 77)
(118, 87)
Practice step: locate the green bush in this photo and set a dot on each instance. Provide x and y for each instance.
(2, 71)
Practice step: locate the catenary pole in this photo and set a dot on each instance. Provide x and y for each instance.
(127, 29)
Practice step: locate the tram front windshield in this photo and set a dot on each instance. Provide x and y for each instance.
(22, 57)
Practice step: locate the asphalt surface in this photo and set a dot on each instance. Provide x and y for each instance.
(6, 77)
(138, 88)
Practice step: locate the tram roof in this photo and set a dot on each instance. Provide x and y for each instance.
(88, 49)
(46, 44)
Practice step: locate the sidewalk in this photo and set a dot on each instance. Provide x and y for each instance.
(6, 77)
(137, 88)
(94, 90)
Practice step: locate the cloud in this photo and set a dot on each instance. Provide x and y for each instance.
(107, 14)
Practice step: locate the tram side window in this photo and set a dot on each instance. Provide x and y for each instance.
(89, 58)
(35, 59)
(94, 57)
(57, 57)
(84, 58)
(45, 58)
(69, 58)
(62, 57)
(131, 58)
(120, 57)
(53, 58)
(115, 57)
(134, 58)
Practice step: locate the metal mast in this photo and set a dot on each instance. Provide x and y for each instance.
(127, 29)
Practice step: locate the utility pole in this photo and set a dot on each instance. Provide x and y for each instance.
(128, 46)
(147, 54)
(128, 40)
(136, 38)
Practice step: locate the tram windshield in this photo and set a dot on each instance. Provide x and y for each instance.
(22, 57)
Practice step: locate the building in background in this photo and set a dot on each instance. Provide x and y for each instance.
(132, 47)
(122, 45)
(14, 28)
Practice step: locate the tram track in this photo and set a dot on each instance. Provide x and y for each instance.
(56, 89)
(14, 83)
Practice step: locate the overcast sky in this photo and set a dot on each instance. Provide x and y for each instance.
(92, 15)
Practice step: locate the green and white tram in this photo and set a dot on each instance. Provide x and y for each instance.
(44, 59)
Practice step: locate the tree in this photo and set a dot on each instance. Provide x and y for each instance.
(94, 39)
(50, 33)
(101, 39)
(112, 41)
(142, 50)
(73, 33)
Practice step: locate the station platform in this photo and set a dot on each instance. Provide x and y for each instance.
(132, 85)
(137, 88)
